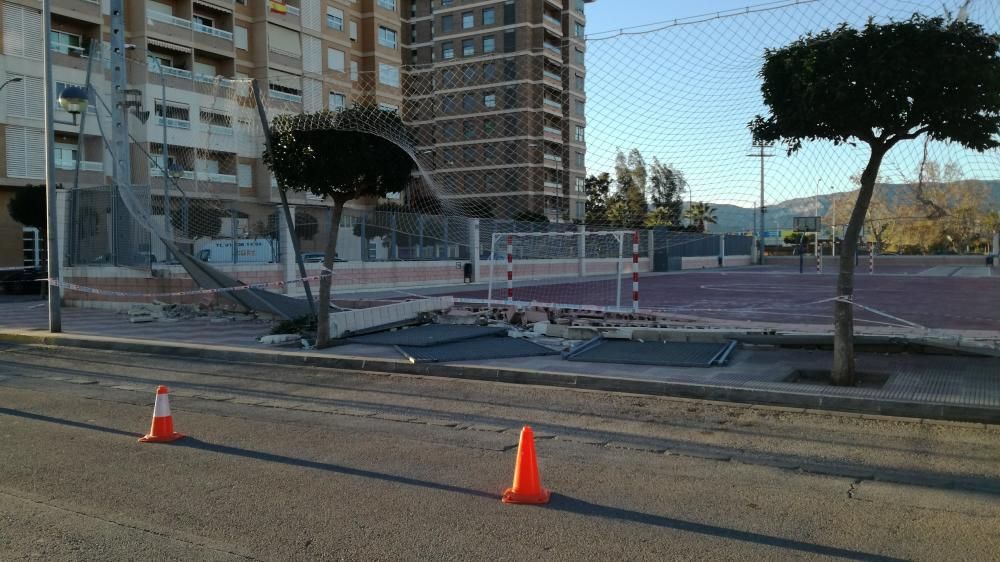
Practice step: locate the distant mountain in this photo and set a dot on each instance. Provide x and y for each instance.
(733, 218)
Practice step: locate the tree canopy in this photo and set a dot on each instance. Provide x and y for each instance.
(28, 207)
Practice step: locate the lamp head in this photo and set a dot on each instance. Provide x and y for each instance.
(73, 99)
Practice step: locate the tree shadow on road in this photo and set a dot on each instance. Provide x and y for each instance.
(573, 505)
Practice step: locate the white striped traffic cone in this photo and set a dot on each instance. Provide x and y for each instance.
(162, 430)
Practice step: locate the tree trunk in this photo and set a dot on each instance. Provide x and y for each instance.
(326, 281)
(843, 373)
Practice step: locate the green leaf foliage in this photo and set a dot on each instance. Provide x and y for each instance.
(330, 154)
(884, 83)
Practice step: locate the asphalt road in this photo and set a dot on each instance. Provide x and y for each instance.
(303, 464)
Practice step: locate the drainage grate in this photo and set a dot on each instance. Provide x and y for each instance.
(479, 348)
(822, 378)
(429, 334)
(666, 354)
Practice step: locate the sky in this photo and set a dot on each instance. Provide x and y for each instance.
(685, 93)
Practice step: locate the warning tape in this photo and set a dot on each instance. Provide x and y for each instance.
(95, 291)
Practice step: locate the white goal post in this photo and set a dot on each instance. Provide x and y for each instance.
(564, 269)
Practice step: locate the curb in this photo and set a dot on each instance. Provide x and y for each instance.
(722, 393)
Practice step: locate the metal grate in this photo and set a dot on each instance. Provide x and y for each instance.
(667, 354)
(429, 334)
(479, 348)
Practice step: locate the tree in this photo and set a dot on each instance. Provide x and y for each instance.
(598, 190)
(28, 207)
(660, 216)
(880, 85)
(328, 155)
(700, 214)
(627, 208)
(667, 186)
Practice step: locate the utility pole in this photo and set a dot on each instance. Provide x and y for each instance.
(121, 159)
(833, 234)
(52, 222)
(762, 148)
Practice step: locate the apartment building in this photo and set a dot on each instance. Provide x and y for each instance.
(497, 89)
(309, 54)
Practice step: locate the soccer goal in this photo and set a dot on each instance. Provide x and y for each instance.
(582, 270)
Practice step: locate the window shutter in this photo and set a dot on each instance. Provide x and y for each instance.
(312, 95)
(310, 14)
(25, 153)
(22, 31)
(244, 175)
(312, 54)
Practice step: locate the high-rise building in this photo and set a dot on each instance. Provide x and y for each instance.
(311, 54)
(497, 90)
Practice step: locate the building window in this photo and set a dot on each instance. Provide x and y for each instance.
(354, 31)
(581, 185)
(448, 131)
(509, 70)
(579, 5)
(469, 74)
(66, 43)
(240, 37)
(447, 23)
(490, 100)
(509, 40)
(509, 13)
(469, 153)
(354, 71)
(468, 20)
(178, 114)
(489, 126)
(578, 29)
(468, 102)
(388, 74)
(337, 101)
(490, 71)
(448, 104)
(580, 108)
(335, 18)
(579, 160)
(468, 47)
(446, 3)
(489, 44)
(489, 16)
(468, 130)
(447, 51)
(386, 37)
(447, 78)
(387, 4)
(579, 83)
(335, 59)
(579, 134)
(489, 151)
(579, 56)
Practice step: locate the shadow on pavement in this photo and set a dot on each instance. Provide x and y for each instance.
(559, 502)
(573, 505)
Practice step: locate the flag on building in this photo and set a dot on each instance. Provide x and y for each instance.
(278, 6)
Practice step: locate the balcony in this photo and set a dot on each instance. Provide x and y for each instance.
(551, 78)
(552, 106)
(552, 24)
(88, 10)
(219, 130)
(553, 188)
(279, 95)
(206, 79)
(553, 51)
(555, 3)
(200, 176)
(69, 56)
(552, 161)
(174, 123)
(284, 58)
(168, 26)
(213, 37)
(84, 166)
(292, 18)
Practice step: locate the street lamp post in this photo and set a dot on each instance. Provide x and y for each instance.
(11, 81)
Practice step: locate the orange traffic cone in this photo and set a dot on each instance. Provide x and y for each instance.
(527, 482)
(162, 430)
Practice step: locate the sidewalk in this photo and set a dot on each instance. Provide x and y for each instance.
(924, 386)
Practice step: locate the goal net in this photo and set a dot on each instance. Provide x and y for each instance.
(566, 270)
